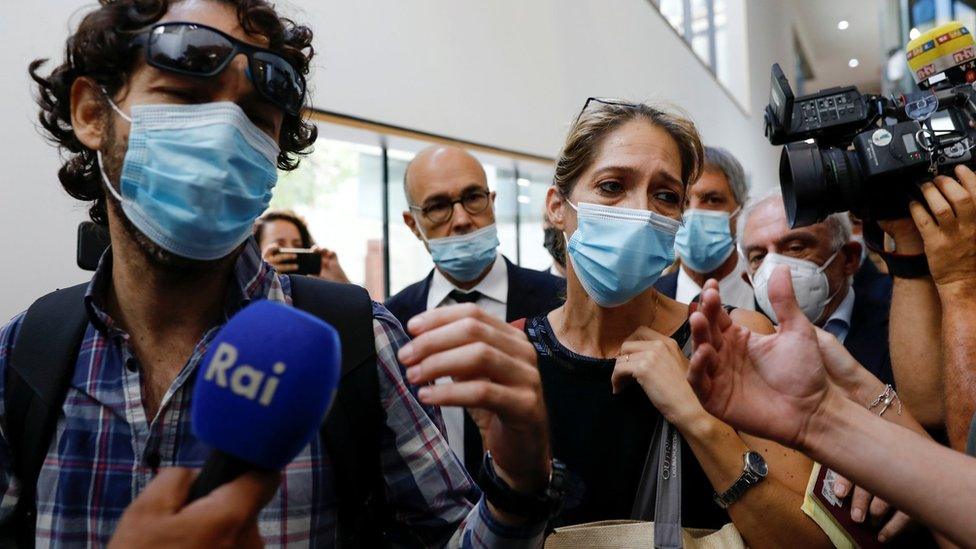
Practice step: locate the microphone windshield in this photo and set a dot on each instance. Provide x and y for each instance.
(266, 383)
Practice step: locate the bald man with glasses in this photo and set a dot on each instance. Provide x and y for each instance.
(452, 211)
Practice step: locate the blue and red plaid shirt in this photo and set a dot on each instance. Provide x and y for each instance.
(106, 450)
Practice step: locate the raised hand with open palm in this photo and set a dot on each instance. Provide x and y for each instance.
(769, 386)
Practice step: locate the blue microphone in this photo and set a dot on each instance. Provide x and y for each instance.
(263, 390)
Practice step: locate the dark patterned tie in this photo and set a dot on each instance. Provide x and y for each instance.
(473, 452)
(465, 297)
(472, 436)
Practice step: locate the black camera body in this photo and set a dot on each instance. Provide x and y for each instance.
(848, 151)
(831, 112)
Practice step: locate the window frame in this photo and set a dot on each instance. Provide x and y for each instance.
(387, 137)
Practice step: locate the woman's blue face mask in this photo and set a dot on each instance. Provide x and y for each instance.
(618, 253)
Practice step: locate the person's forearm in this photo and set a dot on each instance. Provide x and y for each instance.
(959, 354)
(916, 352)
(769, 514)
(871, 388)
(931, 483)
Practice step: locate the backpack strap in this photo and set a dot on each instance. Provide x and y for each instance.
(352, 429)
(36, 383)
(46, 349)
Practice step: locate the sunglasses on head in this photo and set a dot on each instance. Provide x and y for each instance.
(198, 50)
(605, 102)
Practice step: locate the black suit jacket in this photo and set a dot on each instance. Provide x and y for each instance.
(867, 339)
(530, 293)
(668, 284)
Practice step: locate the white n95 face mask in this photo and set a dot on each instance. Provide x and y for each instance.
(810, 284)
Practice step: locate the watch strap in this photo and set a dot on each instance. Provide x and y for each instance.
(899, 265)
(746, 480)
(529, 506)
(906, 266)
(739, 487)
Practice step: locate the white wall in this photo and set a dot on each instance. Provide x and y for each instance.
(511, 73)
(516, 72)
(38, 221)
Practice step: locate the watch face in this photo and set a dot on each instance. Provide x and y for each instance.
(757, 464)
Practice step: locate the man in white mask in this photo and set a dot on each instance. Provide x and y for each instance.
(823, 259)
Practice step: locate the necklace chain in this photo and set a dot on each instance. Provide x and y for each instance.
(657, 305)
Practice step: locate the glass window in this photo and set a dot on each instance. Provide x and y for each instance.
(337, 189)
(674, 12)
(723, 61)
(409, 259)
(532, 189)
(350, 200)
(705, 26)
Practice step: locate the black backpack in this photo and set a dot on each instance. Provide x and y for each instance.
(43, 360)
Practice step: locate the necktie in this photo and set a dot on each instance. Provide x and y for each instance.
(465, 297)
(473, 452)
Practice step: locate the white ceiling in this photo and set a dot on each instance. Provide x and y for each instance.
(829, 49)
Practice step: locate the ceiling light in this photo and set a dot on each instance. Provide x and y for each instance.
(524, 199)
(853, 63)
(914, 33)
(523, 182)
(843, 24)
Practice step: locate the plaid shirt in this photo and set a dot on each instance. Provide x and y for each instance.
(106, 450)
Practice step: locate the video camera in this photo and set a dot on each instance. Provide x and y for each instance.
(848, 151)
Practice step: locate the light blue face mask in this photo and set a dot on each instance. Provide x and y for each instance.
(195, 177)
(465, 256)
(704, 242)
(618, 253)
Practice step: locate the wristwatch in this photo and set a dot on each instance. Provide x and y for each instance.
(753, 473)
(533, 507)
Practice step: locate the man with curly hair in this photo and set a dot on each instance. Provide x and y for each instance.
(174, 117)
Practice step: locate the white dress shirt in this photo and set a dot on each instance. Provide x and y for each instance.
(735, 291)
(494, 301)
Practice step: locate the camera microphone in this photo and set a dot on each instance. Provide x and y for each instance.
(263, 391)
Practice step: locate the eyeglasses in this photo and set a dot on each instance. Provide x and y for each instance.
(605, 102)
(439, 211)
(198, 50)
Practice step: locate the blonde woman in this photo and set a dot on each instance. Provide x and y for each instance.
(611, 359)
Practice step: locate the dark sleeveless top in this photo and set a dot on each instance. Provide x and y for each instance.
(603, 438)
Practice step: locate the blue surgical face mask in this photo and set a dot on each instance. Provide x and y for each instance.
(618, 253)
(704, 242)
(195, 177)
(465, 256)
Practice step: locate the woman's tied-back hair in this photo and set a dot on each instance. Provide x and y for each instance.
(601, 117)
(98, 50)
(284, 215)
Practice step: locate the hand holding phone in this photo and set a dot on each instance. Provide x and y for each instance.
(308, 261)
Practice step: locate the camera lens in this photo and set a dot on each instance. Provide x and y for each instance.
(817, 183)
